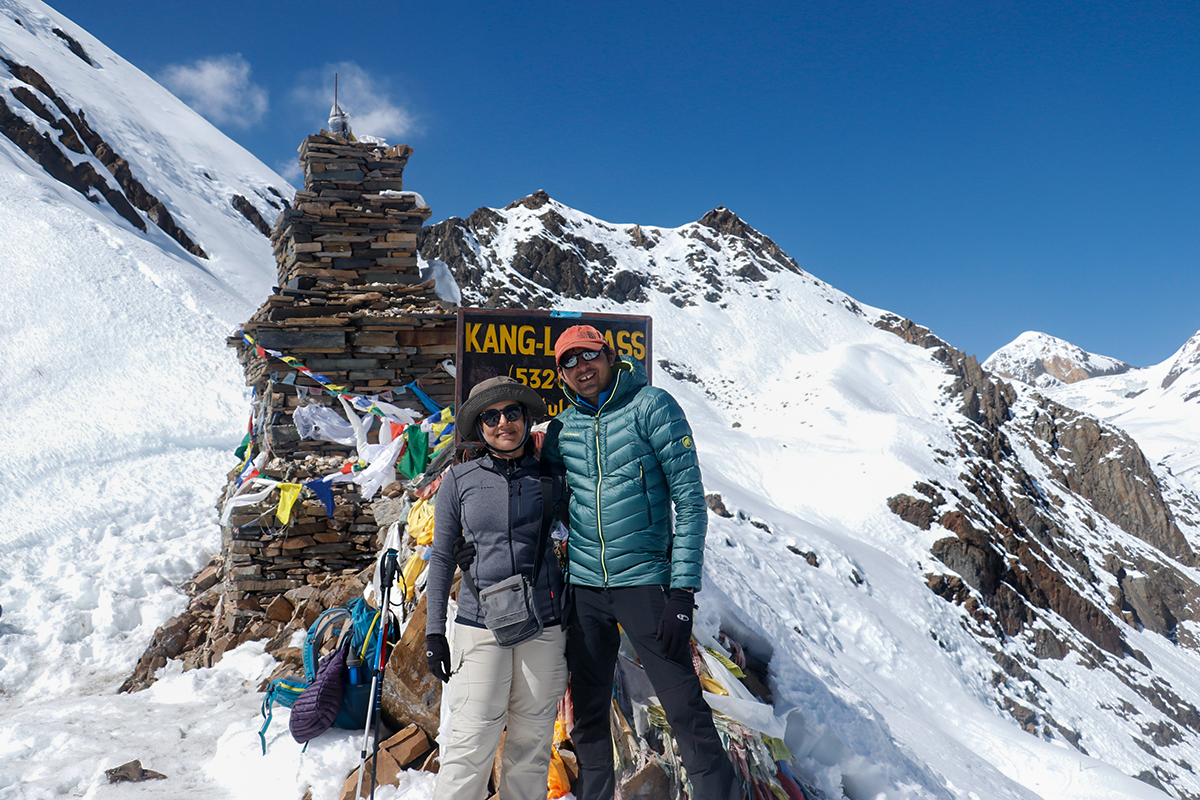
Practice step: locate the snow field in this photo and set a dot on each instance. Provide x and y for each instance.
(128, 405)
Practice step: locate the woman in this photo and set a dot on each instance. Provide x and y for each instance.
(489, 519)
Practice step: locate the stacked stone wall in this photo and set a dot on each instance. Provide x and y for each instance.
(351, 308)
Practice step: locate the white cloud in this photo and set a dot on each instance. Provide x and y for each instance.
(364, 96)
(291, 172)
(219, 88)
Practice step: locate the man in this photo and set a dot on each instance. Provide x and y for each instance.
(629, 455)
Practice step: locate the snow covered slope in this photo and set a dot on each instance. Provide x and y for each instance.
(123, 403)
(813, 414)
(1041, 360)
(117, 325)
(972, 646)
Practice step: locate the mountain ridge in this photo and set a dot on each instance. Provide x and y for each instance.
(1038, 586)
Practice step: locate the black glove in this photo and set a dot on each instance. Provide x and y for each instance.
(437, 656)
(675, 626)
(463, 553)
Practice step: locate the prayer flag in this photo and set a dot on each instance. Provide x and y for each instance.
(288, 492)
(324, 492)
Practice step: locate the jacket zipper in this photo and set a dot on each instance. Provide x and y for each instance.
(600, 477)
(599, 515)
(511, 553)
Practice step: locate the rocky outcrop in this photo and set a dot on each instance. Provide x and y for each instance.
(1015, 555)
(74, 46)
(411, 694)
(560, 258)
(912, 510)
(1104, 465)
(74, 129)
(81, 177)
(247, 210)
(1025, 557)
(724, 221)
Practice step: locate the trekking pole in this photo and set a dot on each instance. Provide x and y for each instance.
(387, 578)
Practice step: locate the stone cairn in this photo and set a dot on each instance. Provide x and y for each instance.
(351, 307)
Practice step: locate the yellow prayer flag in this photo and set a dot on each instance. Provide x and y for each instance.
(420, 522)
(412, 570)
(288, 492)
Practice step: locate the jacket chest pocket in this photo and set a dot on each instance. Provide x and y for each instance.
(645, 490)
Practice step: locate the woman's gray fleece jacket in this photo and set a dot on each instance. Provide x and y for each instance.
(496, 504)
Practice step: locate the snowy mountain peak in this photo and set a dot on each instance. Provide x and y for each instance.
(1044, 361)
(1187, 359)
(536, 251)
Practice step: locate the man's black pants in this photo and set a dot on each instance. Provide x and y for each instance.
(592, 644)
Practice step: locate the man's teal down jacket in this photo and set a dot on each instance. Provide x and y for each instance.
(625, 465)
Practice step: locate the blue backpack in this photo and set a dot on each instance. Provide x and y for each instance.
(358, 622)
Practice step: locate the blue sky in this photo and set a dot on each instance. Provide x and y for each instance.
(983, 168)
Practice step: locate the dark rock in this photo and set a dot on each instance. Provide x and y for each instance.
(80, 177)
(132, 193)
(723, 220)
(1142, 594)
(912, 510)
(1047, 645)
(169, 641)
(626, 286)
(807, 555)
(935, 497)
(647, 783)
(247, 210)
(680, 372)
(74, 46)
(1162, 734)
(279, 609)
(1148, 777)
(970, 554)
(639, 238)
(1026, 717)
(411, 695)
(31, 101)
(1111, 472)
(132, 771)
(534, 201)
(716, 505)
(751, 273)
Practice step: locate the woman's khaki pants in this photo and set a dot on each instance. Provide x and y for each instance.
(489, 687)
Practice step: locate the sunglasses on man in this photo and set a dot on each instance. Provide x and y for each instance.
(587, 355)
(491, 417)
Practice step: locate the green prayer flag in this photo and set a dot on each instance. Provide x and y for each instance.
(416, 453)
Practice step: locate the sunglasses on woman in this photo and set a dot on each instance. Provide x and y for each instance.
(491, 417)
(587, 355)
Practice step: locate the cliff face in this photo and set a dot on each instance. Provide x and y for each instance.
(1064, 522)
(564, 255)
(74, 134)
